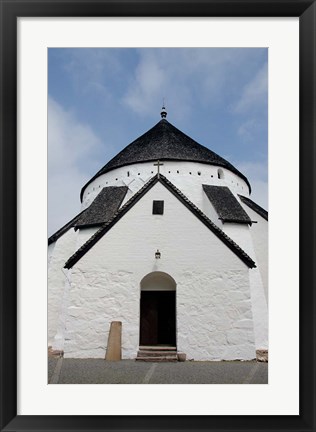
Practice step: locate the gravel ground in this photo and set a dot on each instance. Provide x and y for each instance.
(99, 371)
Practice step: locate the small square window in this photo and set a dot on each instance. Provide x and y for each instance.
(158, 207)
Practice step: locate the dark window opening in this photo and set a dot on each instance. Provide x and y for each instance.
(158, 207)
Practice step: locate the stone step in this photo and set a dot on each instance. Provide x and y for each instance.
(157, 353)
(143, 353)
(160, 358)
(157, 348)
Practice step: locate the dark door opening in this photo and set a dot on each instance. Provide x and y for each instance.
(158, 318)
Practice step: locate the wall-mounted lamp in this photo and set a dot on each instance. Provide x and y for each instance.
(157, 254)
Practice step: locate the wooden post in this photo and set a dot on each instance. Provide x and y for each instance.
(114, 349)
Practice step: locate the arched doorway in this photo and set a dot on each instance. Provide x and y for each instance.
(157, 310)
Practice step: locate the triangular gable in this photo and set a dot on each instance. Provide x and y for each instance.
(226, 205)
(255, 207)
(181, 197)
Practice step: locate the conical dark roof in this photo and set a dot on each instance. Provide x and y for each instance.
(165, 142)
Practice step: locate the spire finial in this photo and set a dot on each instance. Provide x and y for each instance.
(163, 110)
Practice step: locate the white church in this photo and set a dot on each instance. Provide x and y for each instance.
(169, 244)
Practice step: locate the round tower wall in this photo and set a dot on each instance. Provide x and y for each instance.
(186, 176)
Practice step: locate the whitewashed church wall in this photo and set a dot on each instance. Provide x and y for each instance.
(128, 195)
(260, 235)
(241, 234)
(64, 247)
(50, 252)
(259, 310)
(214, 317)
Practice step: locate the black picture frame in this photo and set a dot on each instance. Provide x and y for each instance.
(10, 10)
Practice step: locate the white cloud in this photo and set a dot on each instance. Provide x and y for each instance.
(248, 128)
(90, 69)
(252, 106)
(254, 93)
(148, 82)
(70, 143)
(182, 76)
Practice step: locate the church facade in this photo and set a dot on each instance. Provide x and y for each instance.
(170, 244)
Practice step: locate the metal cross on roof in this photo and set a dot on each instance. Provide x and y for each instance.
(158, 164)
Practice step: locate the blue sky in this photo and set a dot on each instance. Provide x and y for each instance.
(100, 100)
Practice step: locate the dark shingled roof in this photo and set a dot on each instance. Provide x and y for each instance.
(255, 207)
(104, 206)
(226, 205)
(181, 197)
(165, 142)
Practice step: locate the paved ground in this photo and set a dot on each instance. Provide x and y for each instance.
(98, 371)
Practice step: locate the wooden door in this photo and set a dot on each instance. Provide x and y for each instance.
(157, 318)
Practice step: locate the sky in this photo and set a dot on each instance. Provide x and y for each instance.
(100, 100)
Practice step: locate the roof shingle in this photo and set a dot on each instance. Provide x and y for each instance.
(165, 142)
(103, 207)
(226, 205)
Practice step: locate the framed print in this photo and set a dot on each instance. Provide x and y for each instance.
(279, 41)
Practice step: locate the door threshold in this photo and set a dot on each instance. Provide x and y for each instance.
(158, 347)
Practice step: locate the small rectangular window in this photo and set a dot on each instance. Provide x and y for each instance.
(158, 207)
